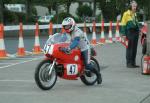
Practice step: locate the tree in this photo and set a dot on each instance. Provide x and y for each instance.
(66, 3)
(84, 10)
(94, 10)
(50, 4)
(28, 9)
(111, 8)
(15, 16)
(106, 7)
(61, 16)
(54, 4)
(145, 5)
(1, 11)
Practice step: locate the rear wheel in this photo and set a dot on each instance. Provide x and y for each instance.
(90, 78)
(43, 79)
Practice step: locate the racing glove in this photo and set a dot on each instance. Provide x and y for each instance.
(65, 50)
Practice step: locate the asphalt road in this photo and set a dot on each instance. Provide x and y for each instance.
(120, 84)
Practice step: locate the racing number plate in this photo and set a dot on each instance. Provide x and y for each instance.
(48, 49)
(72, 69)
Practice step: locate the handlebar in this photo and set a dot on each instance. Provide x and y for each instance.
(64, 50)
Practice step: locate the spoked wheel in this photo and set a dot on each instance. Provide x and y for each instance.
(90, 78)
(43, 79)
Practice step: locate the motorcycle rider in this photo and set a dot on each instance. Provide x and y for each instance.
(78, 39)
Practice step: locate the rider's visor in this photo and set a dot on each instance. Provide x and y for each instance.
(66, 27)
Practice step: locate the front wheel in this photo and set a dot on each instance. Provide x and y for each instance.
(43, 79)
(90, 78)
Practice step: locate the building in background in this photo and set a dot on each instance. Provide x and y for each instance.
(16, 7)
(42, 11)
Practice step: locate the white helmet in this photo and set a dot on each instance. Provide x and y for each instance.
(68, 24)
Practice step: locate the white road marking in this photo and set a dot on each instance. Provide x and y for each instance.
(20, 63)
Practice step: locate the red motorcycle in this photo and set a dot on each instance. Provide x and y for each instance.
(143, 33)
(145, 59)
(64, 65)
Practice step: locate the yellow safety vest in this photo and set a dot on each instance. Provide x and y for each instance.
(129, 20)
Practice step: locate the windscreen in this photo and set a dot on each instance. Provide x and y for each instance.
(59, 38)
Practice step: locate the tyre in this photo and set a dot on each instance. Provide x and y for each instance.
(91, 79)
(42, 77)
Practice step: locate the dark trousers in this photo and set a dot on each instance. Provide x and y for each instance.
(131, 51)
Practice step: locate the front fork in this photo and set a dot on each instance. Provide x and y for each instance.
(51, 67)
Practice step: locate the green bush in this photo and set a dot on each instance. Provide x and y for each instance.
(78, 20)
(98, 18)
(21, 17)
(10, 17)
(84, 11)
(60, 17)
(63, 15)
(16, 17)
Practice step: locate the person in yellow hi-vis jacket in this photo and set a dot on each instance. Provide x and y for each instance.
(130, 29)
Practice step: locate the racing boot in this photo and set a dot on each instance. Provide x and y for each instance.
(99, 78)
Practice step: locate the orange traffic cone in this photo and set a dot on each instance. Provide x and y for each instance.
(37, 49)
(93, 41)
(146, 65)
(50, 28)
(110, 33)
(3, 53)
(102, 38)
(124, 41)
(21, 49)
(117, 35)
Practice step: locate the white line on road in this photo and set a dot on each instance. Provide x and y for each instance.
(20, 63)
